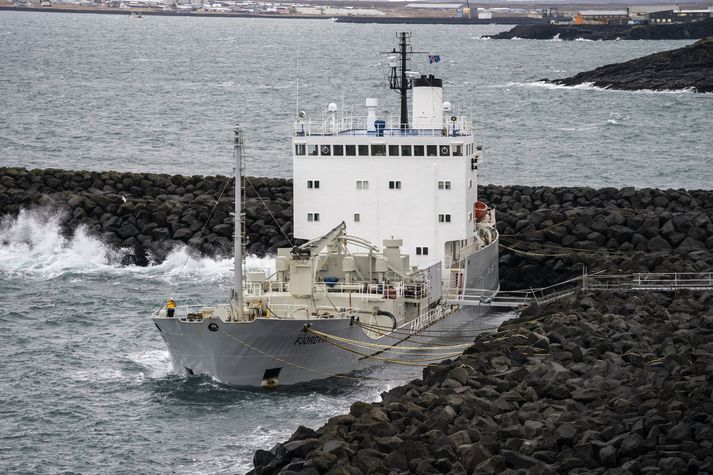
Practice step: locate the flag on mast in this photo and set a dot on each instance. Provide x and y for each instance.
(434, 58)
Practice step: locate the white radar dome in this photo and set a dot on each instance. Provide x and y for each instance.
(447, 107)
(332, 107)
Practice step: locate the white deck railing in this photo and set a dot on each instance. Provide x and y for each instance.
(357, 125)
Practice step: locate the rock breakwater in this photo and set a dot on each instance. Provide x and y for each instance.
(150, 213)
(597, 383)
(690, 67)
(547, 233)
(678, 31)
(551, 234)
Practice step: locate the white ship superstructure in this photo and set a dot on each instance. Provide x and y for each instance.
(340, 303)
(413, 176)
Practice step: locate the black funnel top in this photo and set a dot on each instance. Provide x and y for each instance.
(428, 81)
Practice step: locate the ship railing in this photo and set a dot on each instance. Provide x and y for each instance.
(416, 290)
(301, 311)
(390, 290)
(260, 288)
(650, 281)
(358, 125)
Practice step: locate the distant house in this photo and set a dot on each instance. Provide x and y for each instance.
(665, 14)
(602, 17)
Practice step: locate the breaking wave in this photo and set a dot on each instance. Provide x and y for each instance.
(32, 245)
(588, 86)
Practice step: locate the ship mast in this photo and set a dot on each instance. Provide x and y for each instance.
(398, 80)
(237, 291)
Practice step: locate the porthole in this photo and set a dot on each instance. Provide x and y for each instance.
(213, 327)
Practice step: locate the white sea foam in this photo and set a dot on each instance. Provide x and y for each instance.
(588, 86)
(31, 245)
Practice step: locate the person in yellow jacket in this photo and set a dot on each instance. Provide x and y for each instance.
(170, 308)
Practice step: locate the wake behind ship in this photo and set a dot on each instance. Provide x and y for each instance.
(339, 303)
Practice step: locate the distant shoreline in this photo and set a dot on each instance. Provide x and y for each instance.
(419, 20)
(127, 12)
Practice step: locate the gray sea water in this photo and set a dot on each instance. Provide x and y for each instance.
(86, 385)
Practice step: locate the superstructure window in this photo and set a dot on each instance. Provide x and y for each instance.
(405, 150)
(457, 150)
(378, 150)
(432, 150)
(444, 218)
(444, 185)
(395, 185)
(312, 150)
(363, 150)
(338, 150)
(312, 184)
(325, 150)
(357, 217)
(445, 151)
(312, 216)
(300, 149)
(421, 251)
(362, 184)
(418, 150)
(351, 150)
(394, 150)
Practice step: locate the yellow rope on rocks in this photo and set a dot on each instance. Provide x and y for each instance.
(418, 362)
(381, 346)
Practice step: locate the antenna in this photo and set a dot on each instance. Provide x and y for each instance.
(237, 292)
(297, 99)
(399, 79)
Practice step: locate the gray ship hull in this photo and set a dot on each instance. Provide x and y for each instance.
(266, 352)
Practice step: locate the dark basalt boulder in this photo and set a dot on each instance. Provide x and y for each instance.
(690, 67)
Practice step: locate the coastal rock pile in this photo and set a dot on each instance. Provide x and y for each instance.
(690, 67)
(604, 383)
(551, 234)
(151, 213)
(678, 31)
(547, 234)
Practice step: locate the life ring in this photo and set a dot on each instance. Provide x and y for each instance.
(325, 149)
(444, 150)
(390, 293)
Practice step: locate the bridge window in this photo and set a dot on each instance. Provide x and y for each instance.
(405, 150)
(445, 151)
(394, 150)
(312, 184)
(444, 185)
(300, 149)
(312, 216)
(338, 150)
(444, 218)
(351, 150)
(457, 150)
(432, 150)
(378, 150)
(395, 185)
(357, 217)
(312, 150)
(418, 150)
(421, 251)
(362, 185)
(325, 150)
(363, 150)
